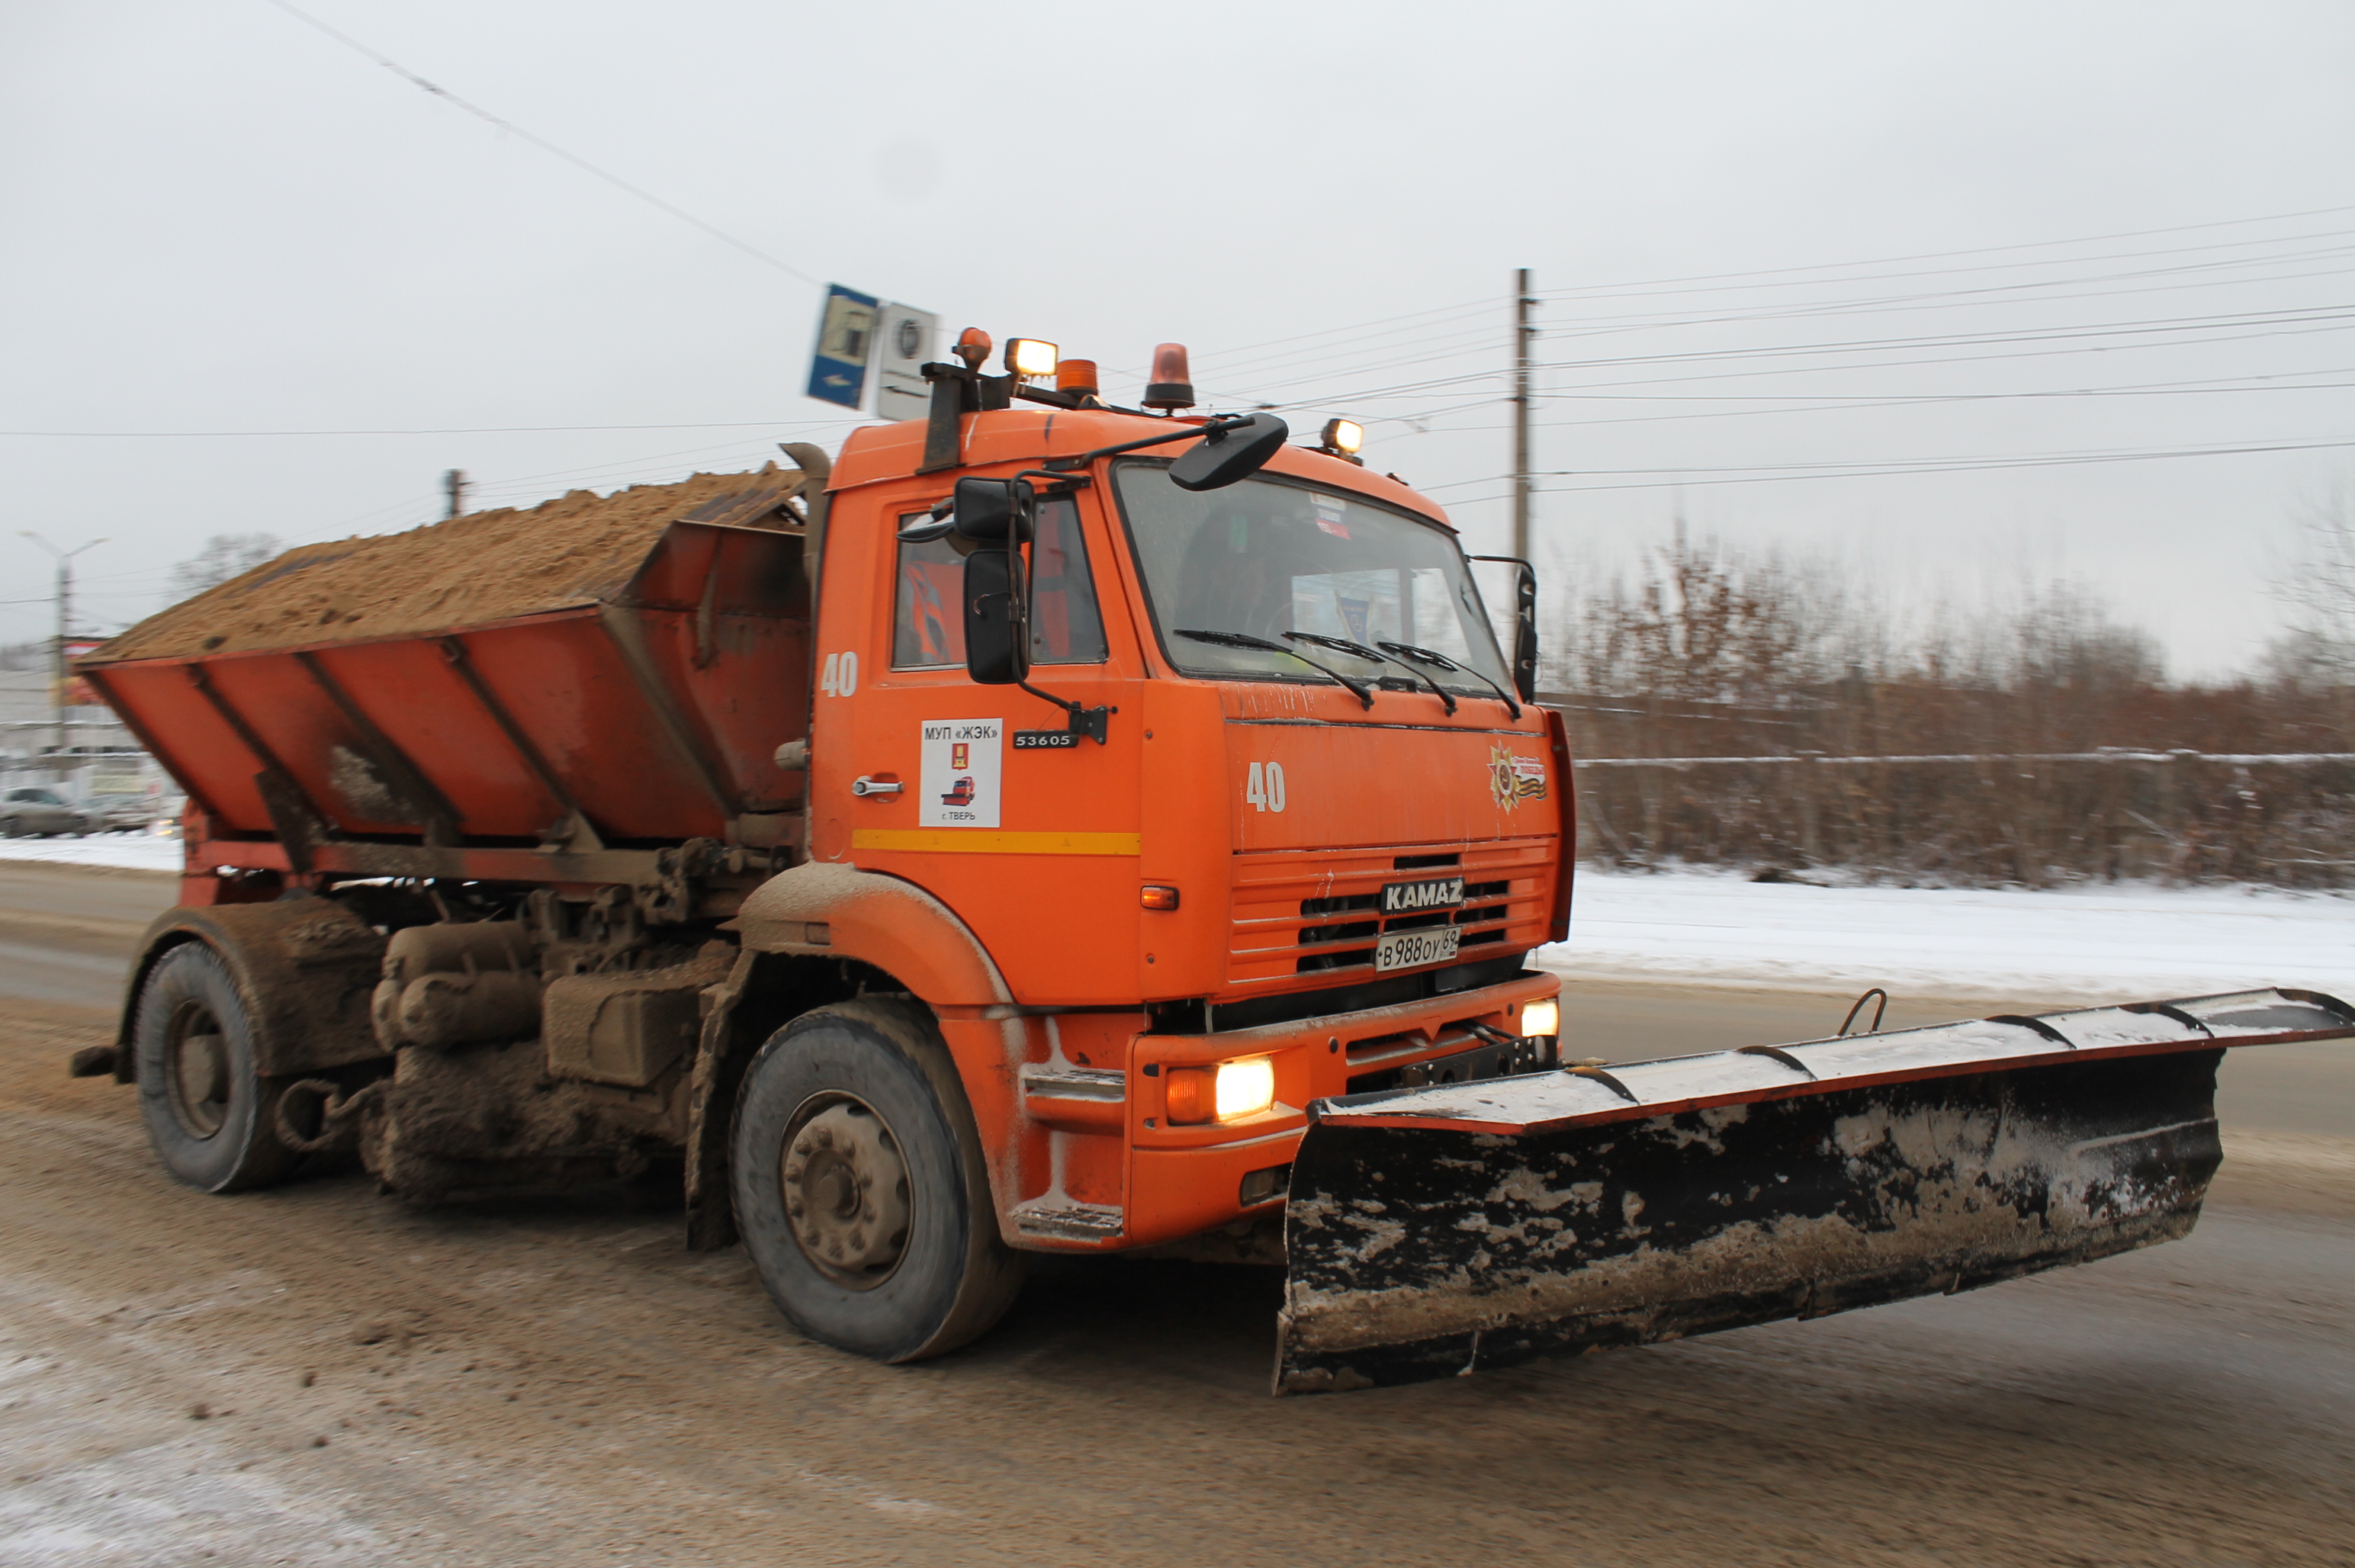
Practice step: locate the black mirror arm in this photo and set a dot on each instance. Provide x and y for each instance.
(1525, 617)
(1059, 483)
(1220, 426)
(1093, 723)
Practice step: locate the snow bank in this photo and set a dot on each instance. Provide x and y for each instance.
(131, 851)
(2123, 943)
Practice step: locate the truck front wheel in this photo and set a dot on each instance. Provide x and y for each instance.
(860, 1187)
(210, 1117)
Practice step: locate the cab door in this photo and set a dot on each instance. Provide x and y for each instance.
(981, 795)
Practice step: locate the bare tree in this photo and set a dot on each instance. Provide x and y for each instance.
(2311, 666)
(2320, 590)
(224, 556)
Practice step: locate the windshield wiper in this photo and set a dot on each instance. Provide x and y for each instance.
(1358, 689)
(1358, 650)
(1441, 661)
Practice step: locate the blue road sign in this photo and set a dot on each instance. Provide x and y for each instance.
(846, 342)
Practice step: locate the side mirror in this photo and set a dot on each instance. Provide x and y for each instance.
(1225, 456)
(1525, 623)
(1525, 633)
(989, 511)
(996, 628)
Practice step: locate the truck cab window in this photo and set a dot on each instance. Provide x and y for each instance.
(928, 622)
(1269, 557)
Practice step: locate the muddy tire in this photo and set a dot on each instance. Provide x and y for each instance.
(212, 1119)
(860, 1188)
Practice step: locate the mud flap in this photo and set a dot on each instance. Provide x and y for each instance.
(1434, 1232)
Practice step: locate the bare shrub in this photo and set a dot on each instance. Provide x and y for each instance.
(2027, 743)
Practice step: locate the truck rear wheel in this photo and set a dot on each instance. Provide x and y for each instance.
(860, 1188)
(210, 1117)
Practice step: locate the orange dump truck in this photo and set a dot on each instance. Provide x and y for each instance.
(1048, 827)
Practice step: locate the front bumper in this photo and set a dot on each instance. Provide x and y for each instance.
(1185, 1179)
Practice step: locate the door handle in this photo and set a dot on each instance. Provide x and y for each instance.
(869, 785)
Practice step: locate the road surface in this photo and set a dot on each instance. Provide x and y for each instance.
(319, 1375)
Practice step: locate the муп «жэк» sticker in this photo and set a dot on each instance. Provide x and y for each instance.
(957, 783)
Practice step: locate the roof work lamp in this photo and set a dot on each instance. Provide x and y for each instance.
(1342, 438)
(1031, 358)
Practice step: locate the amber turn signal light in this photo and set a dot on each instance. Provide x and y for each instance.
(1159, 897)
(1226, 1092)
(1189, 1095)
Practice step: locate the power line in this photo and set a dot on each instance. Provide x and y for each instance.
(1771, 474)
(1815, 405)
(1980, 250)
(2290, 317)
(1434, 383)
(1460, 343)
(1603, 292)
(451, 430)
(545, 146)
(1947, 299)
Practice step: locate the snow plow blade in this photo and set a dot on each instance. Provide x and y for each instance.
(1434, 1232)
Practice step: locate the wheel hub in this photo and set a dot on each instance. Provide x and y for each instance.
(198, 1062)
(846, 1189)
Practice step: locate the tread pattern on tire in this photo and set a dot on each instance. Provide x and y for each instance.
(246, 1153)
(963, 1293)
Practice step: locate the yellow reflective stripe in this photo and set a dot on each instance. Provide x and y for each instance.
(975, 841)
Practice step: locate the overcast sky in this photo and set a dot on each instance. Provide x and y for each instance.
(2012, 232)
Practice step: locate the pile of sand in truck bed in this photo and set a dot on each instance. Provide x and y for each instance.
(464, 571)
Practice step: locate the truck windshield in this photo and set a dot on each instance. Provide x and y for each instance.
(1269, 556)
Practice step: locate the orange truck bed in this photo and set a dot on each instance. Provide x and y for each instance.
(560, 683)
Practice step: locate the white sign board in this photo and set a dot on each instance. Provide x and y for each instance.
(904, 343)
(957, 784)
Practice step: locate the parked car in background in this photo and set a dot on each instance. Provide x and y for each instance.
(31, 811)
(118, 813)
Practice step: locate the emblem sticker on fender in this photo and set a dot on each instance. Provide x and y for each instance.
(957, 784)
(1512, 780)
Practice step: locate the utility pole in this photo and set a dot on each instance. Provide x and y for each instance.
(57, 658)
(454, 484)
(1523, 335)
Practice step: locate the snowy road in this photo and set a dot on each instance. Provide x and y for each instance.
(318, 1375)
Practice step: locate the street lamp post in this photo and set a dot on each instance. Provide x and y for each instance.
(58, 661)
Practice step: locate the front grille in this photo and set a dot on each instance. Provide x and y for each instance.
(1313, 912)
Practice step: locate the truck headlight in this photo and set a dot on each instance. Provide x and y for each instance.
(1541, 1017)
(1224, 1092)
(1246, 1087)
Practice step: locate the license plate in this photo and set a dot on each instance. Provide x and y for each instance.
(1412, 898)
(1405, 949)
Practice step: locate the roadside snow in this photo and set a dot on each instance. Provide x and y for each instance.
(2118, 943)
(133, 851)
(2130, 943)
